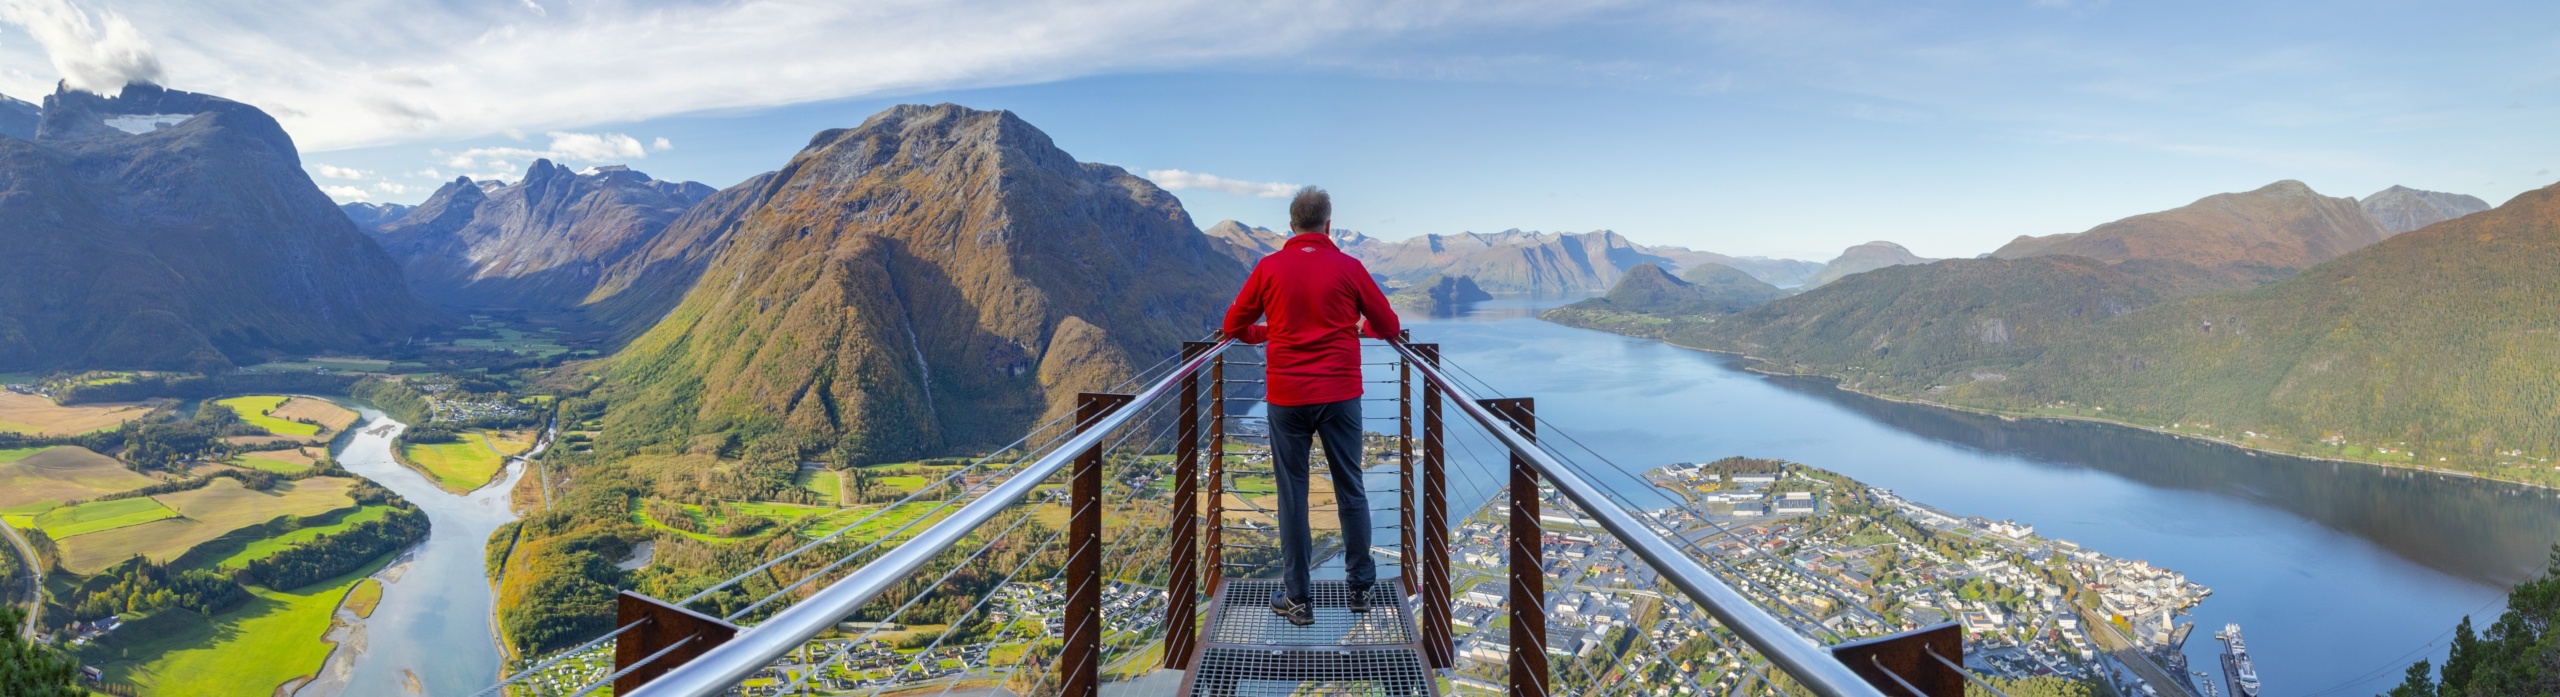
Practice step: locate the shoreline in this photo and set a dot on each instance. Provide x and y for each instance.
(1837, 383)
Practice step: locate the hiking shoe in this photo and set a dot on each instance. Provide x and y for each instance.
(1360, 599)
(1297, 612)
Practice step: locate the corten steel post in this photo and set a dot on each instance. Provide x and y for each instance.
(1438, 644)
(1213, 555)
(1528, 558)
(1182, 594)
(1404, 472)
(678, 633)
(1080, 664)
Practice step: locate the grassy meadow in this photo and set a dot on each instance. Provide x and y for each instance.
(468, 464)
(277, 637)
(268, 547)
(101, 516)
(278, 461)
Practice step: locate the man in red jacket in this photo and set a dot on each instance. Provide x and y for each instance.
(1313, 297)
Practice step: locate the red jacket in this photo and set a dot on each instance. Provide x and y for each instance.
(1314, 296)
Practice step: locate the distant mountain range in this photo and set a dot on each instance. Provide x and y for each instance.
(368, 216)
(1864, 258)
(2195, 316)
(544, 243)
(936, 279)
(173, 230)
(1511, 261)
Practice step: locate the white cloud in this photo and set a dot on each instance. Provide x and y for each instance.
(592, 147)
(345, 193)
(337, 172)
(350, 73)
(93, 54)
(661, 145)
(1179, 180)
(565, 147)
(389, 187)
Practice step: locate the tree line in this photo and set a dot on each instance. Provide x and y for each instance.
(338, 554)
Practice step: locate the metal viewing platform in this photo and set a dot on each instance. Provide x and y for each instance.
(1173, 597)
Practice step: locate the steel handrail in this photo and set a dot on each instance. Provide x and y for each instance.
(726, 665)
(1801, 658)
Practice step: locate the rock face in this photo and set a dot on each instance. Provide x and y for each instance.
(18, 118)
(170, 230)
(2401, 209)
(1440, 295)
(935, 280)
(369, 216)
(542, 244)
(1864, 258)
(2270, 233)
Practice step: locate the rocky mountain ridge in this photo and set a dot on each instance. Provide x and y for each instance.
(544, 243)
(172, 230)
(936, 279)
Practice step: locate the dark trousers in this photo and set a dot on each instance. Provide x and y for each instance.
(1337, 425)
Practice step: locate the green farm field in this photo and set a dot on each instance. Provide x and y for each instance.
(101, 516)
(278, 636)
(264, 548)
(821, 482)
(465, 465)
(255, 411)
(207, 513)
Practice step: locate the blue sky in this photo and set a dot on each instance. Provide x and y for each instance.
(1779, 128)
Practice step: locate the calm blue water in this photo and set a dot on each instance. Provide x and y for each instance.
(433, 625)
(2340, 574)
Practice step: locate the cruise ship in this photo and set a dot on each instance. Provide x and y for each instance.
(2235, 663)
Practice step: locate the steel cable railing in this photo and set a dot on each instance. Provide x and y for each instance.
(715, 670)
(1800, 657)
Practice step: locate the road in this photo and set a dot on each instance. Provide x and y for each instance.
(2115, 643)
(35, 600)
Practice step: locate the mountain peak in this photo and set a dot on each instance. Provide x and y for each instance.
(2402, 209)
(2286, 187)
(1864, 258)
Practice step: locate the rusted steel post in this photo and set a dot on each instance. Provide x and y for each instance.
(1405, 552)
(1213, 553)
(666, 625)
(1438, 643)
(1528, 558)
(1080, 664)
(1182, 587)
(1899, 663)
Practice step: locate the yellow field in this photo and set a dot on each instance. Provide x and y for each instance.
(210, 512)
(468, 464)
(23, 413)
(366, 595)
(63, 473)
(278, 461)
(331, 417)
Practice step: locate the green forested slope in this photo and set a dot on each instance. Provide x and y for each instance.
(2438, 347)
(1911, 327)
(2447, 338)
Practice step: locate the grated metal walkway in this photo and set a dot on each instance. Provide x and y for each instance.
(1251, 652)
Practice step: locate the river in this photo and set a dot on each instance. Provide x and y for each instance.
(431, 634)
(2340, 574)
